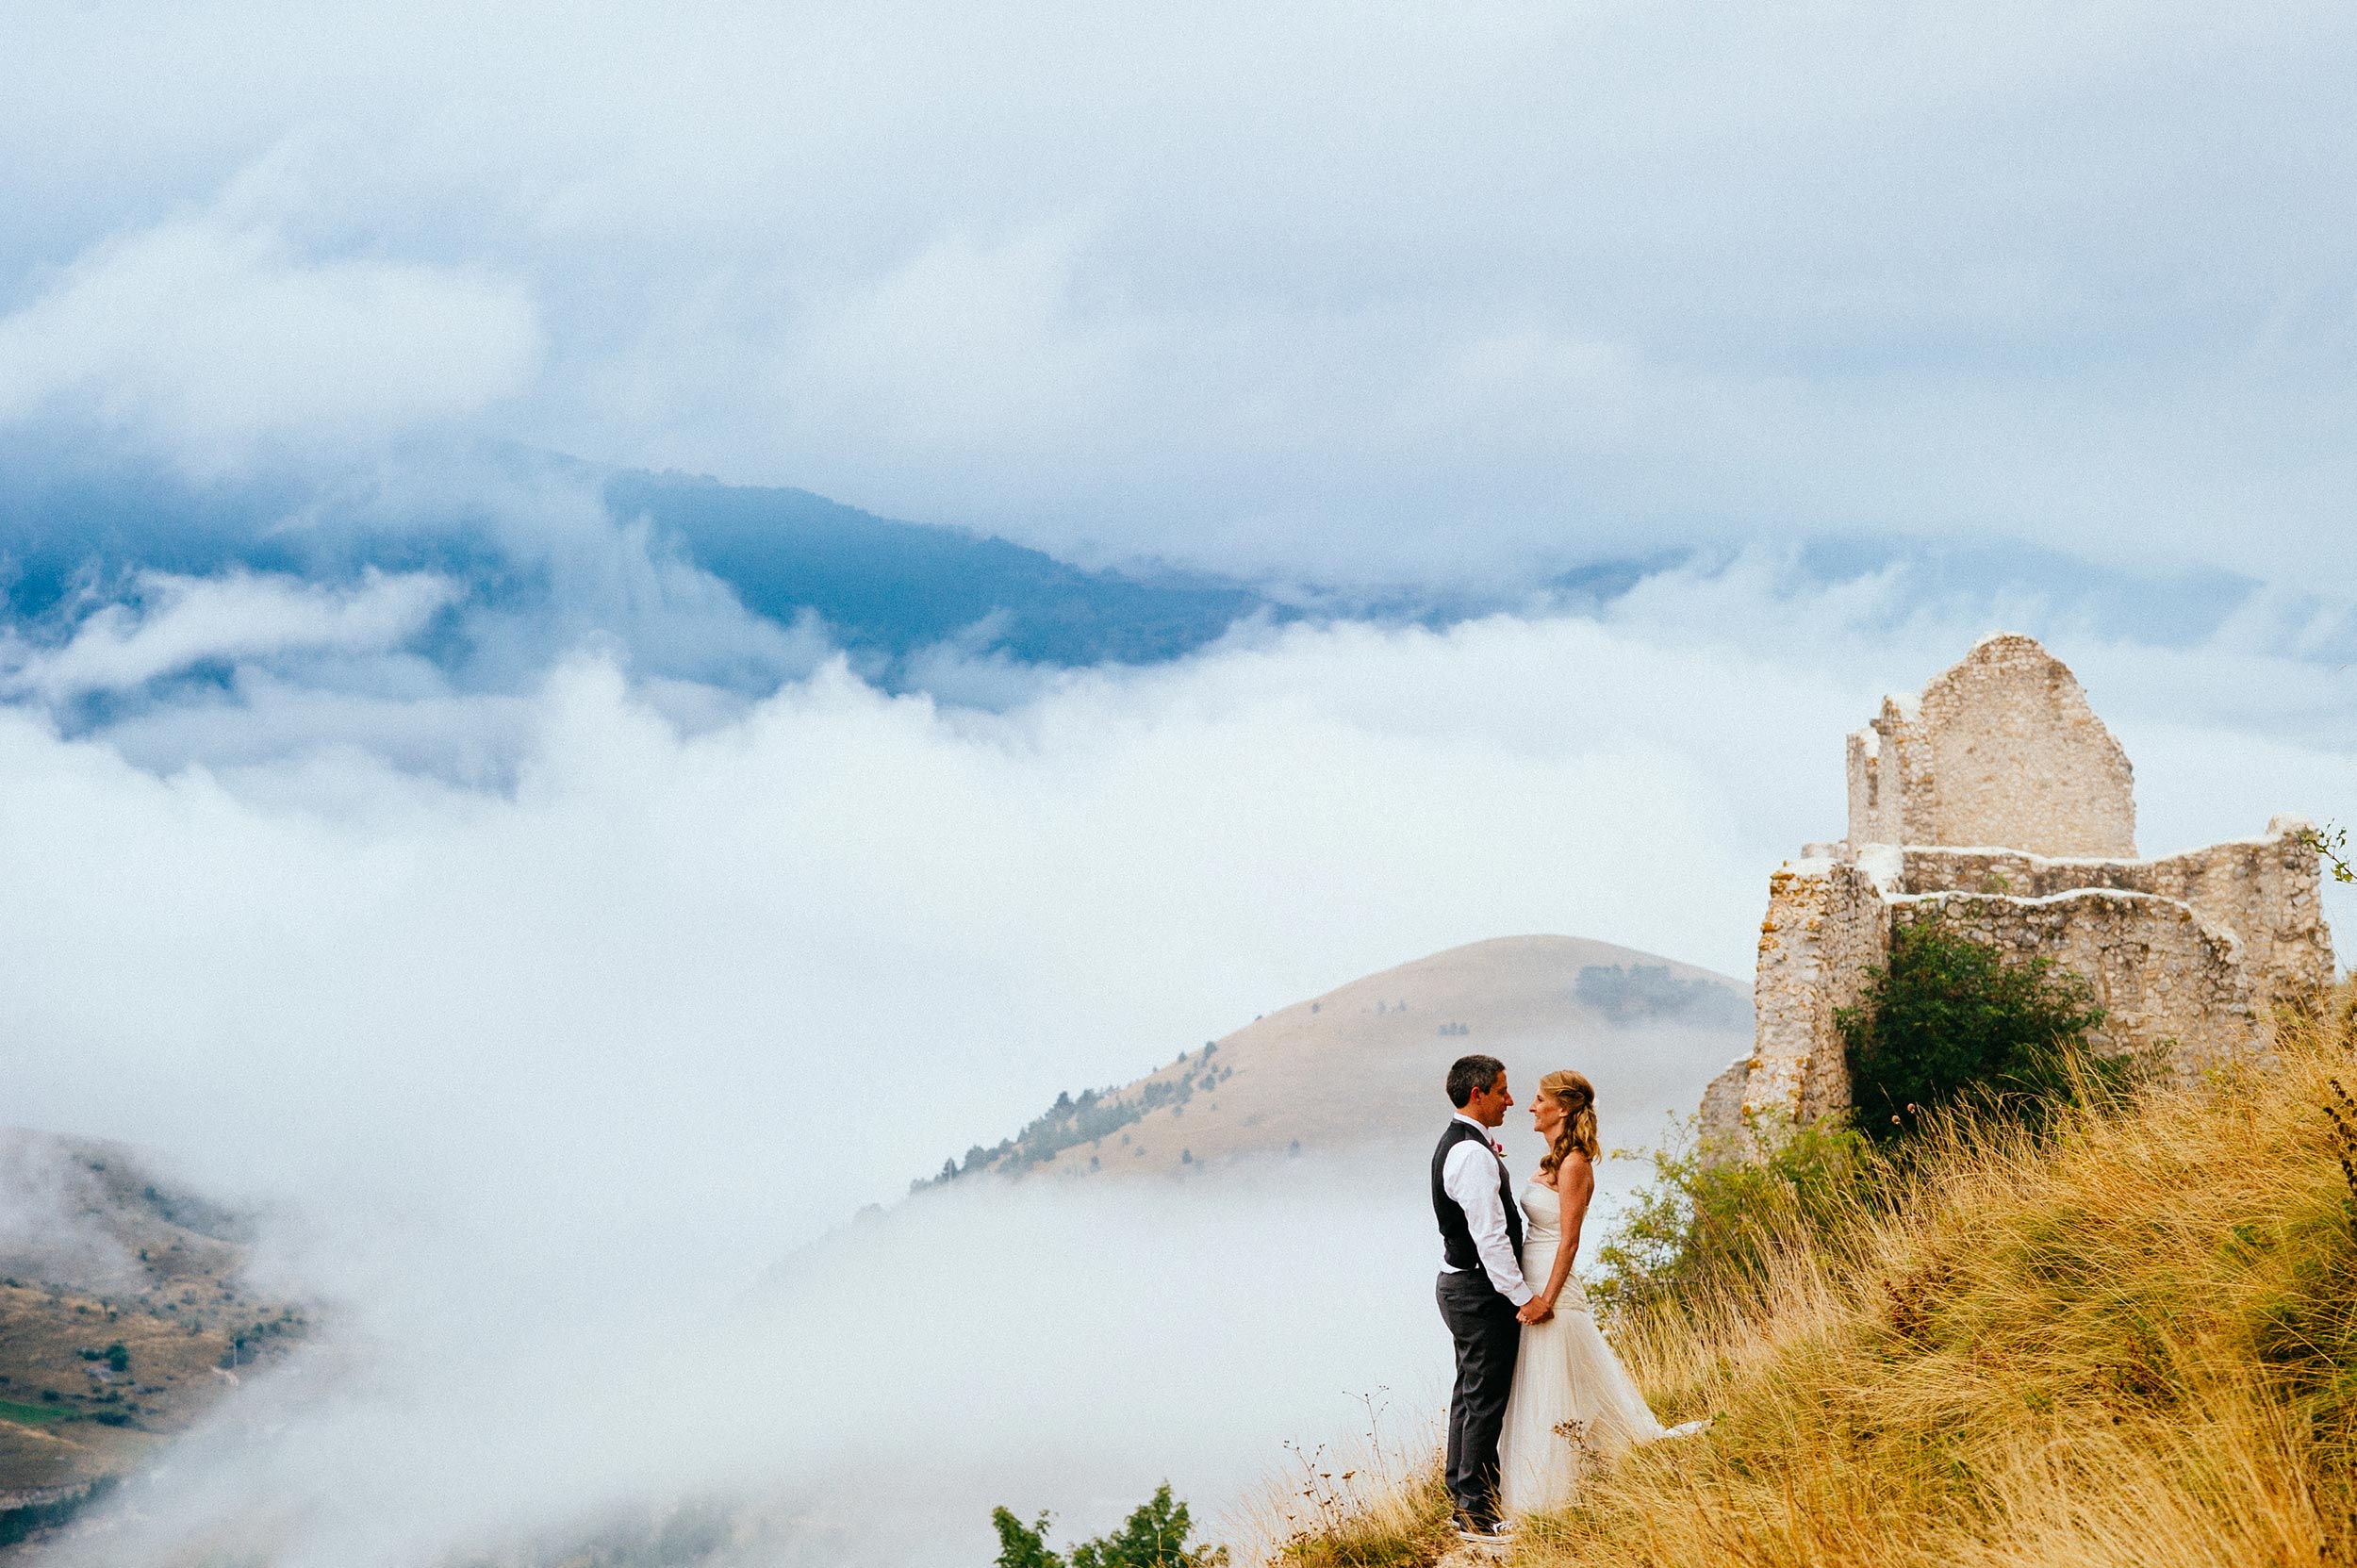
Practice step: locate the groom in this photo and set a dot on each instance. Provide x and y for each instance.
(1484, 1298)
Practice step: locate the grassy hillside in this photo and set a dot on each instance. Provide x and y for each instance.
(2132, 1341)
(122, 1317)
(1363, 1064)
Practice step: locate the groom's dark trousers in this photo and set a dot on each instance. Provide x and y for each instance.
(1487, 1334)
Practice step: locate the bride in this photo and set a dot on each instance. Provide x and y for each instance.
(1572, 1402)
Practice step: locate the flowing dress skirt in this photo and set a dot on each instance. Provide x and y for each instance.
(1572, 1404)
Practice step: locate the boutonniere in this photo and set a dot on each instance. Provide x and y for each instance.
(1497, 1148)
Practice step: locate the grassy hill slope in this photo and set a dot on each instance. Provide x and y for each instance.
(1363, 1064)
(2133, 1342)
(123, 1315)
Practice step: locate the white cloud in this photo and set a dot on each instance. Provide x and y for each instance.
(963, 348)
(177, 622)
(211, 335)
(1438, 293)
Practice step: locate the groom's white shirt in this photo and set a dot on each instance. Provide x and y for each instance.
(1470, 1175)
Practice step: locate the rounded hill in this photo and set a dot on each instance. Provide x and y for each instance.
(1361, 1066)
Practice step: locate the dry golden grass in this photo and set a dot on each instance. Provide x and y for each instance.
(2134, 1342)
(1375, 1502)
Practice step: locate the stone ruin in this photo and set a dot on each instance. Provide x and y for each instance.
(1999, 802)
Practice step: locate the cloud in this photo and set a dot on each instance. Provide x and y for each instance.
(965, 347)
(211, 335)
(552, 1069)
(866, 1408)
(1436, 297)
(176, 623)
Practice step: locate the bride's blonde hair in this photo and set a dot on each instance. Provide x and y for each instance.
(1578, 1099)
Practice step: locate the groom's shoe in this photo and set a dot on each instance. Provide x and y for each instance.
(1495, 1534)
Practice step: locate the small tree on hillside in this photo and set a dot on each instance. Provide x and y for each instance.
(1951, 1017)
(1022, 1546)
(1155, 1536)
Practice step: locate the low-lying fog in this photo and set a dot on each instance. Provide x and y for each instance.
(1045, 1350)
(538, 1087)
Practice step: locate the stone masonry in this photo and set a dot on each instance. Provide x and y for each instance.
(2001, 750)
(1999, 802)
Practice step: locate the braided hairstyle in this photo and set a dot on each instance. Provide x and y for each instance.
(1577, 1096)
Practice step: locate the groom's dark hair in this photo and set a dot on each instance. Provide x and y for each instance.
(1469, 1076)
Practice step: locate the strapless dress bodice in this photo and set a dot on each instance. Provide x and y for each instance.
(1543, 1233)
(1542, 1214)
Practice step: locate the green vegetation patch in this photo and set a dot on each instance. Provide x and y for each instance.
(35, 1415)
(1096, 1114)
(1156, 1535)
(1709, 1225)
(1952, 1019)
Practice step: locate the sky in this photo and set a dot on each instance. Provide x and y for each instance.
(1400, 292)
(554, 942)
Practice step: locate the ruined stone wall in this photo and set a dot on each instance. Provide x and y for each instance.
(1892, 794)
(1722, 1112)
(2266, 891)
(2020, 759)
(1827, 927)
(2270, 893)
(1999, 801)
(2168, 980)
(2001, 750)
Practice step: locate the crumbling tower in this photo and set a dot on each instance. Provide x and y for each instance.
(1999, 801)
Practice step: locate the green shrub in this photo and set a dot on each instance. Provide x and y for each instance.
(1710, 1223)
(1952, 1019)
(1155, 1536)
(1949, 1025)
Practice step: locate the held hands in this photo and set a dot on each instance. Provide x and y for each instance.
(1537, 1310)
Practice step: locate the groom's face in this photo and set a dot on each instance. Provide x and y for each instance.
(1489, 1106)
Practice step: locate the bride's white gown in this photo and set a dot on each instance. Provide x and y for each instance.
(1573, 1402)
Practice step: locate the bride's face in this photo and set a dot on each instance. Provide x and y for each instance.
(1545, 1115)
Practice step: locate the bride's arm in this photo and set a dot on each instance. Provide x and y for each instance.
(1575, 1184)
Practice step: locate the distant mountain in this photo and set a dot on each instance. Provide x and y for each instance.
(1362, 1066)
(900, 585)
(72, 524)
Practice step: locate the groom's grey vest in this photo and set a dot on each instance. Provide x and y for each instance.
(1456, 1242)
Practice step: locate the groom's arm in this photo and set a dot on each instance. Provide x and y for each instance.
(1471, 1179)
